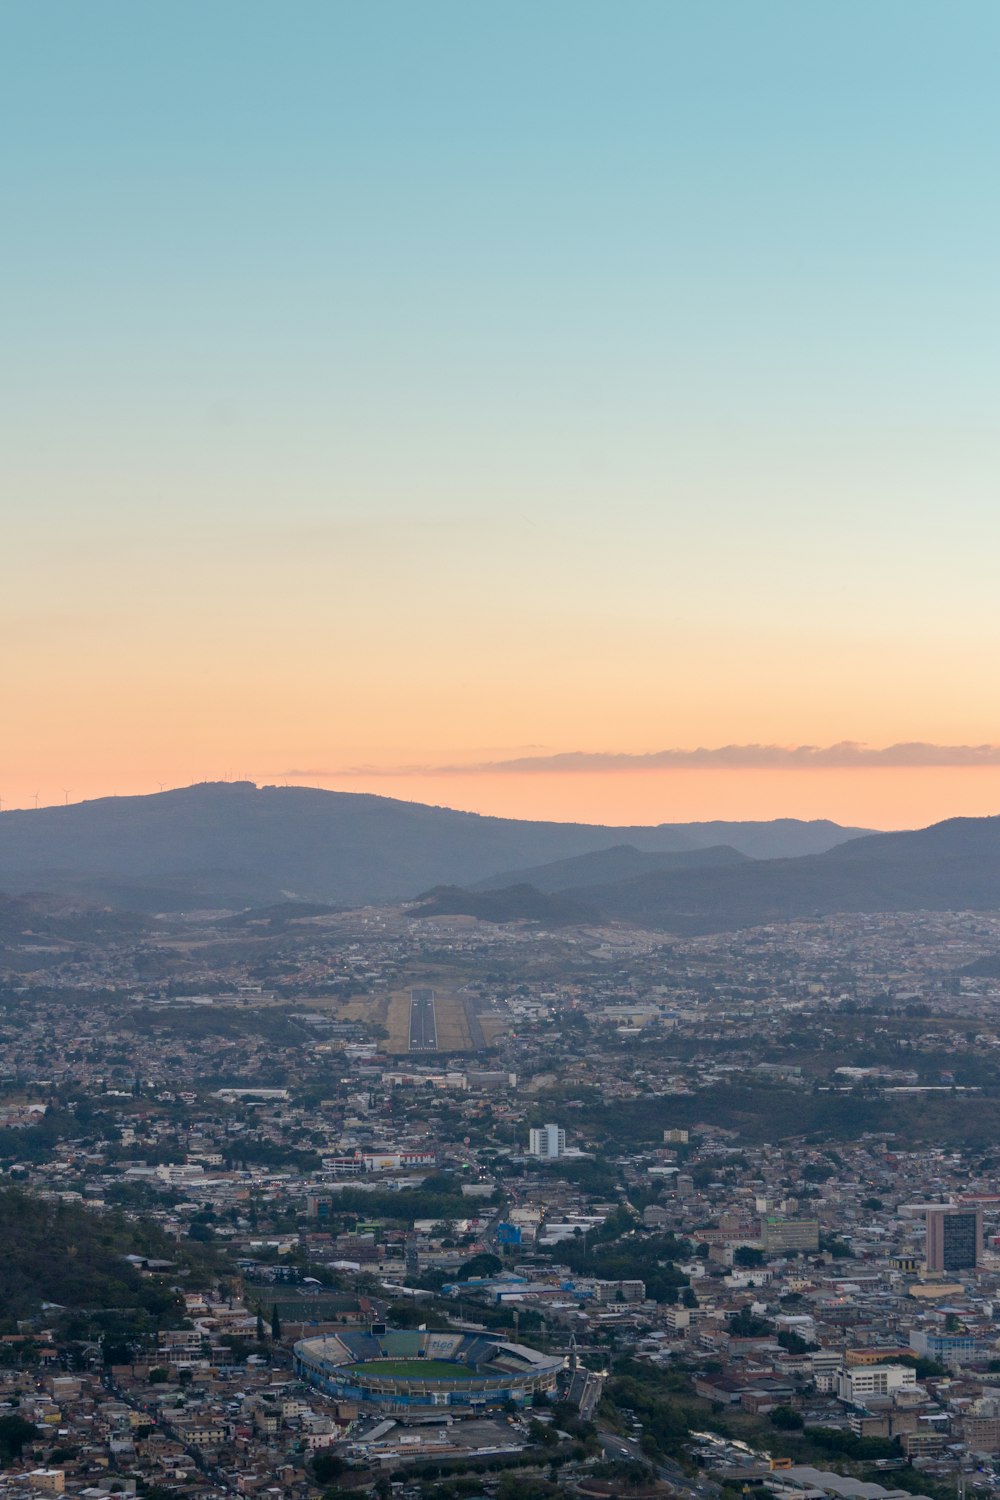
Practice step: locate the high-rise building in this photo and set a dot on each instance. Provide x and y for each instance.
(779, 1234)
(954, 1238)
(547, 1141)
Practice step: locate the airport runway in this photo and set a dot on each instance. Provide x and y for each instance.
(477, 1039)
(423, 1028)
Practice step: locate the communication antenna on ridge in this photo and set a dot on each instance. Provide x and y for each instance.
(66, 792)
(35, 795)
(161, 785)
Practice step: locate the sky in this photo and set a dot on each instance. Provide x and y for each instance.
(505, 406)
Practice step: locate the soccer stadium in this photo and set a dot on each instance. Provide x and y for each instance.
(400, 1370)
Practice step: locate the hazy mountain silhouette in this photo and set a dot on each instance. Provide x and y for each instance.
(236, 845)
(608, 866)
(232, 844)
(37, 917)
(955, 838)
(951, 866)
(515, 903)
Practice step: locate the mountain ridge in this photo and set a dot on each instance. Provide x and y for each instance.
(232, 844)
(603, 866)
(950, 866)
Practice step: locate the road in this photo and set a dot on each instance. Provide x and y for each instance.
(617, 1447)
(160, 1417)
(423, 1026)
(585, 1392)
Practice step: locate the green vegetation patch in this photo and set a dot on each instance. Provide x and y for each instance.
(72, 1256)
(314, 1309)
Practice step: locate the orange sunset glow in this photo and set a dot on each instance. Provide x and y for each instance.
(401, 431)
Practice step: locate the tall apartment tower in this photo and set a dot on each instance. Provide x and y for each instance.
(547, 1141)
(779, 1234)
(954, 1238)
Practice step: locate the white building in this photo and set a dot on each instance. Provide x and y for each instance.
(547, 1141)
(873, 1380)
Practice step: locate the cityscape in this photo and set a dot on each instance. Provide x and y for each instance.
(584, 1222)
(499, 779)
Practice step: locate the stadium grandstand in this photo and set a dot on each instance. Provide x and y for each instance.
(404, 1370)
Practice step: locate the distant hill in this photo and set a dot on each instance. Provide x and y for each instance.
(278, 917)
(605, 866)
(987, 967)
(780, 838)
(952, 866)
(955, 838)
(72, 1257)
(297, 852)
(516, 903)
(35, 916)
(235, 845)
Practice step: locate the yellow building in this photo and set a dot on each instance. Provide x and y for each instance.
(47, 1481)
(935, 1291)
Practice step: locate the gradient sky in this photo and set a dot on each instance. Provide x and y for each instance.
(394, 387)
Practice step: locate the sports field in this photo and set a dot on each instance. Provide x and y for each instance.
(412, 1369)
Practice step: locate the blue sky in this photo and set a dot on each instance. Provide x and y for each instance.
(579, 227)
(668, 330)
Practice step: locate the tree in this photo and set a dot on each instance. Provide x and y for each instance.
(480, 1265)
(933, 1369)
(261, 1330)
(14, 1433)
(746, 1325)
(794, 1342)
(327, 1466)
(525, 1487)
(275, 1323)
(541, 1432)
(786, 1419)
(746, 1255)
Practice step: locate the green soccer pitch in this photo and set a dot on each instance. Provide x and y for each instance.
(411, 1369)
